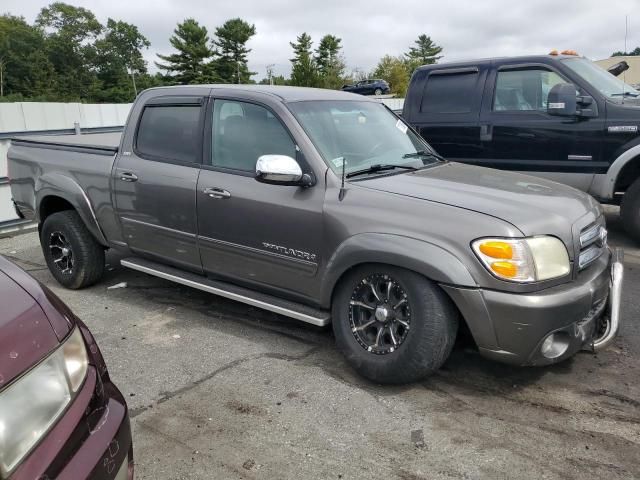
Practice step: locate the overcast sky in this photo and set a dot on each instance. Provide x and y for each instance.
(372, 28)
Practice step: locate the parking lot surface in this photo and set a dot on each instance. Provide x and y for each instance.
(219, 390)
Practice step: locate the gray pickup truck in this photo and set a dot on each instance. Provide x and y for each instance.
(326, 207)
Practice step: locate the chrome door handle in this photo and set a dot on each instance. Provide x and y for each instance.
(215, 192)
(128, 177)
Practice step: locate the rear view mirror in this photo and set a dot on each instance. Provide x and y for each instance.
(562, 100)
(280, 170)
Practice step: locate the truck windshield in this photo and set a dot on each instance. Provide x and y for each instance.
(362, 134)
(606, 83)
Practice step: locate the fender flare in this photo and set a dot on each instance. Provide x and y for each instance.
(62, 186)
(426, 258)
(605, 189)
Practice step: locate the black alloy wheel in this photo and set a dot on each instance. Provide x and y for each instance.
(393, 325)
(380, 314)
(61, 252)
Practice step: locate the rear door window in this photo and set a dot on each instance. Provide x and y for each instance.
(450, 93)
(170, 133)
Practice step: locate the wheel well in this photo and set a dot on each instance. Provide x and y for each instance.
(463, 322)
(629, 173)
(52, 204)
(362, 264)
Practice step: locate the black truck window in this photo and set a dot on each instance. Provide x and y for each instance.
(450, 92)
(243, 131)
(527, 89)
(169, 132)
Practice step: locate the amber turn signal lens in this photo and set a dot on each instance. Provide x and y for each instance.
(506, 269)
(497, 250)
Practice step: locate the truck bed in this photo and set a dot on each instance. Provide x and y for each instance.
(107, 143)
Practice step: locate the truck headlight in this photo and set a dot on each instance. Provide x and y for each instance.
(32, 404)
(523, 259)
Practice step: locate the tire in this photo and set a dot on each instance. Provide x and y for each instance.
(630, 210)
(73, 256)
(377, 92)
(421, 348)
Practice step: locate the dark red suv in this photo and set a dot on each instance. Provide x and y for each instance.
(60, 414)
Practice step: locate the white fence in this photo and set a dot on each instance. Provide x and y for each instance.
(35, 116)
(394, 103)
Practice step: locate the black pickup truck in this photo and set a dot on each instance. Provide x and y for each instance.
(561, 117)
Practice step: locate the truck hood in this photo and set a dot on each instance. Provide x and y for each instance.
(533, 205)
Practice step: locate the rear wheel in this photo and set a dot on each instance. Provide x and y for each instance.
(73, 256)
(393, 325)
(630, 210)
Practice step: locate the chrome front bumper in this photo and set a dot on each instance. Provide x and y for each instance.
(611, 318)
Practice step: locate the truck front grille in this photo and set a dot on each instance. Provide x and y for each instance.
(593, 243)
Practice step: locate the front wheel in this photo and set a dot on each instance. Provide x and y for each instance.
(377, 92)
(393, 325)
(630, 210)
(73, 256)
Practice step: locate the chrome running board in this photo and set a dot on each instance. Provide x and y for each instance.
(277, 305)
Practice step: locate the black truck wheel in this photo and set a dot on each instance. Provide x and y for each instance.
(630, 210)
(73, 256)
(393, 325)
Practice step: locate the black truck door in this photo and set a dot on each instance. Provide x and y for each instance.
(445, 109)
(518, 133)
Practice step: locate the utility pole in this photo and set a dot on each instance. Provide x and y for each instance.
(2, 77)
(270, 72)
(133, 80)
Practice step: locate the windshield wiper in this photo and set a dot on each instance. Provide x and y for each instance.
(379, 168)
(624, 94)
(423, 153)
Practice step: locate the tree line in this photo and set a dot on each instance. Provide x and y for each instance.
(68, 55)
(632, 53)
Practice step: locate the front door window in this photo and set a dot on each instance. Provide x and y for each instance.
(242, 132)
(524, 90)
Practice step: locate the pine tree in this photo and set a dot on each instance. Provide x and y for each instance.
(329, 62)
(232, 38)
(303, 66)
(426, 52)
(192, 63)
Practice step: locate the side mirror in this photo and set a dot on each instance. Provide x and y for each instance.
(562, 100)
(618, 68)
(281, 170)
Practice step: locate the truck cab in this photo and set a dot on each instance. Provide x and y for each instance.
(497, 113)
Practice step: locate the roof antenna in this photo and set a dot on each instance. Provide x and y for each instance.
(342, 189)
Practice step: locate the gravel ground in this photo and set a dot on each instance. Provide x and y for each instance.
(218, 390)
